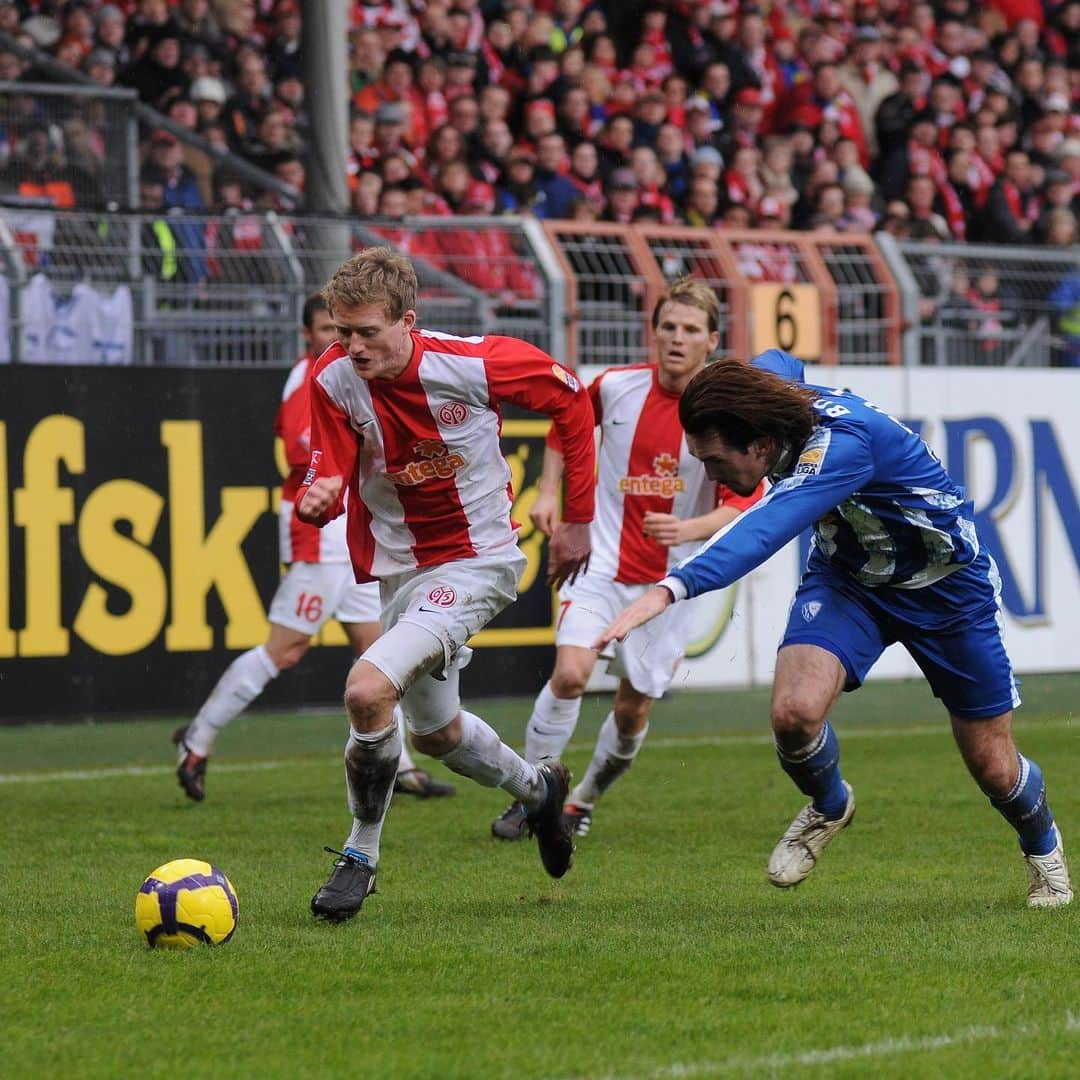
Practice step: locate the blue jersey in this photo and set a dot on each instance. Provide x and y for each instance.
(883, 510)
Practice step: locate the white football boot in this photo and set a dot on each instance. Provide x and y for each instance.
(1048, 878)
(806, 838)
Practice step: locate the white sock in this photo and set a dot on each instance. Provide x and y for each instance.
(405, 762)
(482, 756)
(551, 725)
(370, 767)
(244, 680)
(614, 754)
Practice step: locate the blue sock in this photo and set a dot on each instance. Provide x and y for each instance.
(816, 772)
(1025, 808)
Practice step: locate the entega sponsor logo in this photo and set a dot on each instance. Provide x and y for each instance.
(663, 481)
(438, 462)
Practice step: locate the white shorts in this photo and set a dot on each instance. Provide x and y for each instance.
(650, 655)
(311, 594)
(428, 616)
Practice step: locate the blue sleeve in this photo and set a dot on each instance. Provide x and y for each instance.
(780, 363)
(835, 462)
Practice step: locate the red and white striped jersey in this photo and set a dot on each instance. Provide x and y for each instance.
(644, 465)
(420, 453)
(299, 541)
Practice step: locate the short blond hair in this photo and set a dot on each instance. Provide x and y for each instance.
(694, 293)
(375, 275)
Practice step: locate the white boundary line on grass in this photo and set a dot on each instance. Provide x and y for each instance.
(675, 743)
(66, 775)
(882, 1048)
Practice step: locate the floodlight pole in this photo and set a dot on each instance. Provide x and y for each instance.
(324, 60)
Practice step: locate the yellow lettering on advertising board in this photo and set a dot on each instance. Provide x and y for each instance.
(203, 560)
(124, 562)
(143, 582)
(42, 507)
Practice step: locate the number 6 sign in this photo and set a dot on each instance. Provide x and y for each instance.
(786, 317)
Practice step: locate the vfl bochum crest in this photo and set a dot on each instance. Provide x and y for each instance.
(810, 610)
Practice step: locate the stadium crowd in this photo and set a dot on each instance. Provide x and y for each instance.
(946, 120)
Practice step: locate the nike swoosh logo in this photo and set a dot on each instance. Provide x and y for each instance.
(430, 610)
(615, 423)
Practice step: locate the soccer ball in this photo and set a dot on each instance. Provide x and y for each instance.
(186, 902)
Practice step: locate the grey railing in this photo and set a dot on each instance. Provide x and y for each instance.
(982, 304)
(228, 289)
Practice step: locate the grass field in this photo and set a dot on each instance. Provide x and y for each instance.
(663, 953)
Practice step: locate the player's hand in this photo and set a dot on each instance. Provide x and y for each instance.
(568, 552)
(645, 607)
(545, 512)
(665, 529)
(318, 499)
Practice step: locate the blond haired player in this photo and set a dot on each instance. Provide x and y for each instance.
(653, 501)
(318, 586)
(407, 421)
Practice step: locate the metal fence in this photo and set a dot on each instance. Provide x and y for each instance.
(204, 290)
(228, 289)
(983, 305)
(822, 296)
(609, 291)
(867, 312)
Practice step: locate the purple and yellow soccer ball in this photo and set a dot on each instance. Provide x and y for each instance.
(186, 902)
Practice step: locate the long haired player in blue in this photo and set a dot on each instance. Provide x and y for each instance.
(894, 557)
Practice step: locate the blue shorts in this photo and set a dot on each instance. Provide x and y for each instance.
(952, 629)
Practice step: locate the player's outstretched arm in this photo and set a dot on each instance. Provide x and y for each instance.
(317, 500)
(568, 552)
(645, 607)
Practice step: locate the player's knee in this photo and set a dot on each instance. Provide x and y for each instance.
(568, 681)
(795, 718)
(994, 773)
(367, 698)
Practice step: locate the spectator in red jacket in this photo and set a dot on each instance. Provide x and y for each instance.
(825, 96)
(485, 257)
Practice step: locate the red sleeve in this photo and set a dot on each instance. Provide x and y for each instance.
(293, 425)
(726, 497)
(333, 448)
(524, 375)
(552, 439)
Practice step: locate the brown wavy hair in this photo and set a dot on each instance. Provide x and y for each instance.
(741, 403)
(375, 275)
